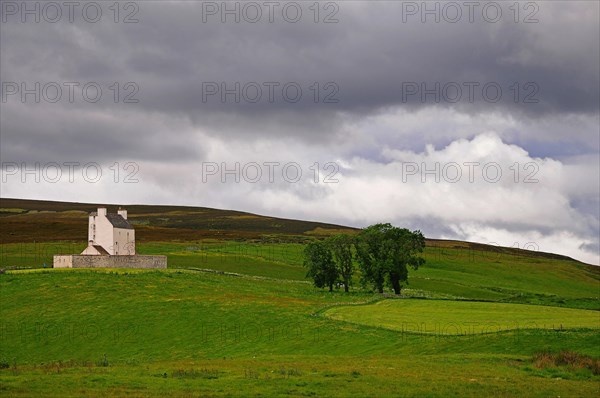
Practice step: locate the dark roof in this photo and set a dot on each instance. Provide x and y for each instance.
(118, 222)
(101, 250)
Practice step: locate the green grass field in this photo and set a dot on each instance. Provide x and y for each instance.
(463, 317)
(264, 336)
(236, 317)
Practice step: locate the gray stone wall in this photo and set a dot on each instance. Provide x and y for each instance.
(80, 261)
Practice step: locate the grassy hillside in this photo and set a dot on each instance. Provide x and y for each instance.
(42, 221)
(28, 221)
(234, 315)
(453, 273)
(180, 331)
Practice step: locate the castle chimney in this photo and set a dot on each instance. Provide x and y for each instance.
(122, 213)
(102, 211)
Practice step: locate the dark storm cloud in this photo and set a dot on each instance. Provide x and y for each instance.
(370, 54)
(39, 134)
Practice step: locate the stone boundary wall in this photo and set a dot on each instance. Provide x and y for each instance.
(81, 261)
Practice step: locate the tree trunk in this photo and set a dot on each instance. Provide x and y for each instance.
(380, 289)
(396, 286)
(331, 287)
(346, 287)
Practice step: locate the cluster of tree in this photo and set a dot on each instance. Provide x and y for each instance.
(383, 253)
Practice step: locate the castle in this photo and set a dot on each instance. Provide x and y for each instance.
(110, 234)
(111, 244)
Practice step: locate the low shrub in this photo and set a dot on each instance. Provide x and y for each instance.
(570, 359)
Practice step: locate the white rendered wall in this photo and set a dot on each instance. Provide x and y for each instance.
(104, 233)
(123, 242)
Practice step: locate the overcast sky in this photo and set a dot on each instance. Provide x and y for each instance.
(476, 122)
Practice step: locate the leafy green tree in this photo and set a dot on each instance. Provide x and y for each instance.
(371, 255)
(341, 247)
(405, 249)
(321, 267)
(385, 252)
